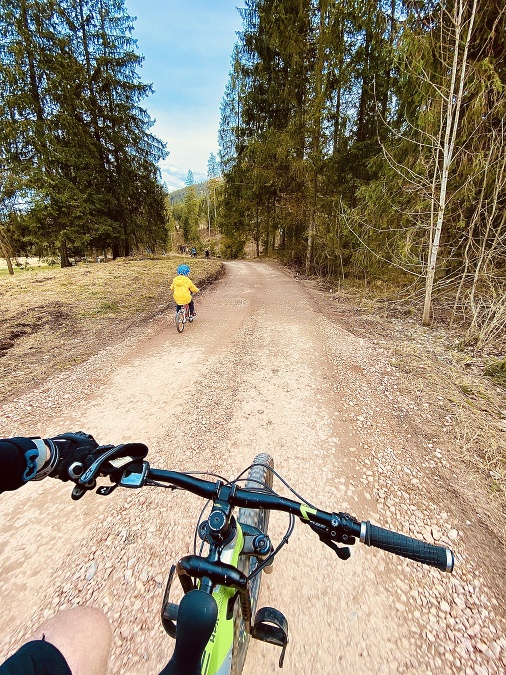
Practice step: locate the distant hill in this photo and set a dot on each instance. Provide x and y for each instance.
(177, 197)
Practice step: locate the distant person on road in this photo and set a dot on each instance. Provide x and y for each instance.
(194, 252)
(182, 287)
(208, 255)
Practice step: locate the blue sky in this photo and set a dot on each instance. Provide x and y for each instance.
(187, 48)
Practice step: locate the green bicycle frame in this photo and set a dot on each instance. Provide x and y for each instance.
(217, 658)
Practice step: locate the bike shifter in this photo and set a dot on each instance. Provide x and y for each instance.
(342, 552)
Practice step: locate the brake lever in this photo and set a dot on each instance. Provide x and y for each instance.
(76, 469)
(91, 473)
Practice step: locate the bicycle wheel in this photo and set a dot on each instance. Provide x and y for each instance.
(180, 321)
(258, 477)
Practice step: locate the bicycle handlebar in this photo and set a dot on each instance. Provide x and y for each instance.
(340, 527)
(393, 542)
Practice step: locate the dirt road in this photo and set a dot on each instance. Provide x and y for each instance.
(262, 369)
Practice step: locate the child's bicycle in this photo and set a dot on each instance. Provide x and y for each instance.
(218, 612)
(182, 316)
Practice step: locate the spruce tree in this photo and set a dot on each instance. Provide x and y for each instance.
(73, 127)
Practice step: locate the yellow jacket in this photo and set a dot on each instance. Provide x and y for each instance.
(181, 287)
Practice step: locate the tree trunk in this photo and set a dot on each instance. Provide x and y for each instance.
(9, 264)
(208, 214)
(317, 133)
(453, 101)
(6, 255)
(64, 256)
(5, 249)
(312, 225)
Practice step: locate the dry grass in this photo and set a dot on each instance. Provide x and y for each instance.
(52, 319)
(465, 402)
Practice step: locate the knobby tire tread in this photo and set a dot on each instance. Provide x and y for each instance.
(258, 476)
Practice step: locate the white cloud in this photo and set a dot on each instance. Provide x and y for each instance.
(190, 142)
(187, 48)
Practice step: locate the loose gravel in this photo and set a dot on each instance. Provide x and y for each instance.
(262, 369)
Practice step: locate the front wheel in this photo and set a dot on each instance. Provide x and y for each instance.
(259, 477)
(180, 321)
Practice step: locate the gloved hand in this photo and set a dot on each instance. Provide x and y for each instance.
(79, 447)
(71, 447)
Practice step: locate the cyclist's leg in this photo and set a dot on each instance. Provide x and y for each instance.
(82, 635)
(191, 307)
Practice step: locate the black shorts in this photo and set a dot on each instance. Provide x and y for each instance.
(36, 658)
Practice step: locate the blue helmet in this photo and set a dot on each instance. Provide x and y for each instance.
(183, 269)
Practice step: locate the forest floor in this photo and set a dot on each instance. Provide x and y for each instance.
(460, 397)
(362, 409)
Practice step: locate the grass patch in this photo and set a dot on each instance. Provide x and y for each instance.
(53, 318)
(4, 272)
(466, 390)
(497, 370)
(103, 308)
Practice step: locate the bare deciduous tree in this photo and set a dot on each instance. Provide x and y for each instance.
(461, 27)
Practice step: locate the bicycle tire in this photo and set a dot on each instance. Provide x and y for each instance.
(258, 476)
(180, 321)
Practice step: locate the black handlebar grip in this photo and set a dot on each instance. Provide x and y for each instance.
(400, 544)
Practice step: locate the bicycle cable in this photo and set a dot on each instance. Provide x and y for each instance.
(271, 556)
(279, 477)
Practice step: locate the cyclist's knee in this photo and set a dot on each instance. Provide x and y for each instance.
(83, 635)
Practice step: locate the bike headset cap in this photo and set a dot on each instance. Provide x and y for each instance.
(183, 269)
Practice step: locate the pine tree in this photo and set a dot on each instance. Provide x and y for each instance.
(74, 130)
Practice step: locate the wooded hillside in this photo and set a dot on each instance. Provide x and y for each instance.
(367, 139)
(78, 166)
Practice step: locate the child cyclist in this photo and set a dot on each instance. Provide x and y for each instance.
(181, 287)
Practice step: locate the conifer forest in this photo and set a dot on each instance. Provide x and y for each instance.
(78, 163)
(367, 138)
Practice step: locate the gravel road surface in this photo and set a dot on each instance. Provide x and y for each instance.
(261, 369)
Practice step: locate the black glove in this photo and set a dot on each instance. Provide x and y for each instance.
(72, 447)
(68, 448)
